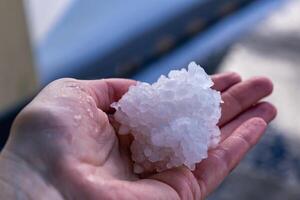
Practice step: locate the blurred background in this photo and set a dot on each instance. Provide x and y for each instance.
(44, 40)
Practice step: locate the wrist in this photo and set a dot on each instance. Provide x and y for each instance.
(19, 180)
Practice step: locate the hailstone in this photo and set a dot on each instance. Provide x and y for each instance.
(173, 121)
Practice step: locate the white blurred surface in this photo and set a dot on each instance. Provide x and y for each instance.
(42, 15)
(273, 50)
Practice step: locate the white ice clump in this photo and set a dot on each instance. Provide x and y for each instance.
(173, 121)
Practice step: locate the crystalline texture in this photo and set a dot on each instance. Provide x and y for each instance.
(173, 121)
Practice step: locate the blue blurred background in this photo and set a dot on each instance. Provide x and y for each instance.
(143, 39)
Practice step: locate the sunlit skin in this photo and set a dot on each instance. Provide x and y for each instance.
(63, 146)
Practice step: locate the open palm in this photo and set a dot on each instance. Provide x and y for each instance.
(63, 144)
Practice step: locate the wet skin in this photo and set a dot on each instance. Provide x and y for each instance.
(63, 145)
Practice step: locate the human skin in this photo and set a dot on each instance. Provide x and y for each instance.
(63, 145)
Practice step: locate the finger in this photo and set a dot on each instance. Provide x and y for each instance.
(242, 96)
(107, 91)
(264, 110)
(212, 171)
(224, 81)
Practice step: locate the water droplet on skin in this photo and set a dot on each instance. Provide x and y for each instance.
(77, 117)
(147, 152)
(89, 99)
(90, 113)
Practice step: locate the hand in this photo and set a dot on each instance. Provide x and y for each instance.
(63, 146)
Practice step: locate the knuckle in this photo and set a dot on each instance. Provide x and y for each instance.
(222, 158)
(64, 80)
(236, 76)
(61, 82)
